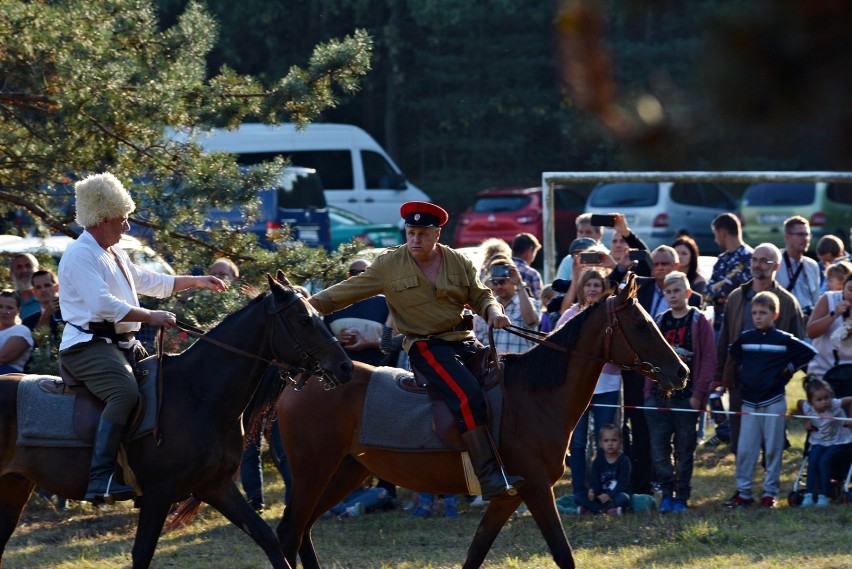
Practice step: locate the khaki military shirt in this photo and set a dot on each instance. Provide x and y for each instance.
(419, 309)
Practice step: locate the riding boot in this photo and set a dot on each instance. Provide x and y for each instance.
(493, 480)
(103, 487)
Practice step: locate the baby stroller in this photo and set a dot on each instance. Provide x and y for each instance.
(840, 379)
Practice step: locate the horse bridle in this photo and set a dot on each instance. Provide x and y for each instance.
(612, 325)
(613, 329)
(310, 356)
(309, 364)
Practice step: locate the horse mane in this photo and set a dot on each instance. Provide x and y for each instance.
(542, 367)
(260, 413)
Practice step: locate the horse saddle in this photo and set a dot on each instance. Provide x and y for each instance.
(88, 407)
(485, 367)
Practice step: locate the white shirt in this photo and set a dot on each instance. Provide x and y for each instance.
(23, 332)
(806, 290)
(93, 288)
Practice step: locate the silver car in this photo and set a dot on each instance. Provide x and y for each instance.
(660, 211)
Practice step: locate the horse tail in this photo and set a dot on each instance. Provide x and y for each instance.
(184, 513)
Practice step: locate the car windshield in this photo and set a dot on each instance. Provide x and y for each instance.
(624, 195)
(496, 204)
(779, 194)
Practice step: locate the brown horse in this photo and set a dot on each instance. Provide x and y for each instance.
(545, 393)
(205, 390)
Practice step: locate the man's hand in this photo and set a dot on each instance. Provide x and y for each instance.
(211, 283)
(497, 319)
(162, 318)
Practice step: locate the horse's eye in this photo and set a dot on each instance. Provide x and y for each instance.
(305, 321)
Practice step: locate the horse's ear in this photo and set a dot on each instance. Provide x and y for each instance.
(282, 278)
(274, 284)
(629, 289)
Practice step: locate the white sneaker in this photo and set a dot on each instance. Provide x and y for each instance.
(355, 511)
(808, 501)
(822, 501)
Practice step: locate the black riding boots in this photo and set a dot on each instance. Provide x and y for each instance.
(103, 487)
(492, 478)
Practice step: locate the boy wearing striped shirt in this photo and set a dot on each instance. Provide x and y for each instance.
(766, 359)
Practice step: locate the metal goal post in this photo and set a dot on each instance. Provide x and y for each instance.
(550, 179)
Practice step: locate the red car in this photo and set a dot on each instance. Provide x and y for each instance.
(505, 212)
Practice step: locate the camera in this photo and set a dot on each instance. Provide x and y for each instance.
(500, 271)
(639, 256)
(590, 258)
(603, 220)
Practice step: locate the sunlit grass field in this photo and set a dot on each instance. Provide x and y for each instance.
(709, 535)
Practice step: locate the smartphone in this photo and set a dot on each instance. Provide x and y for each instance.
(590, 258)
(500, 271)
(603, 220)
(637, 254)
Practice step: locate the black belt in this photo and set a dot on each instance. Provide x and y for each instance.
(107, 330)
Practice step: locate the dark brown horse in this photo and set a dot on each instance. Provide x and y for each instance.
(205, 390)
(545, 393)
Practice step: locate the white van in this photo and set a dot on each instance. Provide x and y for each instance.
(357, 173)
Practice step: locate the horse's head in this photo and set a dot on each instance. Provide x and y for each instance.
(634, 342)
(301, 339)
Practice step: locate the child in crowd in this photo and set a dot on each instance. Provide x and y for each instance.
(828, 436)
(610, 476)
(766, 358)
(673, 433)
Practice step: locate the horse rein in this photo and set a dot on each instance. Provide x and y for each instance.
(310, 365)
(612, 326)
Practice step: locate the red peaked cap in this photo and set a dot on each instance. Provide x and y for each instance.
(423, 214)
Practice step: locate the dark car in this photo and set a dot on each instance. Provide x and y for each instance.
(505, 212)
(297, 202)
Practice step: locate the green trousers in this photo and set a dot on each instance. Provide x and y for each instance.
(105, 371)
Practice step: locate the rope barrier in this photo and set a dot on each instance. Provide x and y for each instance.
(642, 407)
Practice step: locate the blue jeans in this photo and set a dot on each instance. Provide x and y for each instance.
(672, 432)
(820, 458)
(602, 416)
(620, 500)
(370, 498)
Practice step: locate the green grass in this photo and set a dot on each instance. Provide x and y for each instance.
(706, 536)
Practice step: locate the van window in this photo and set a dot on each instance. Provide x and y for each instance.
(716, 198)
(333, 166)
(378, 173)
(300, 191)
(779, 194)
(840, 193)
(687, 194)
(624, 195)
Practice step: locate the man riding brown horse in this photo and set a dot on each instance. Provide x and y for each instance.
(427, 286)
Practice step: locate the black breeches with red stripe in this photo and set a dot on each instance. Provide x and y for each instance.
(442, 364)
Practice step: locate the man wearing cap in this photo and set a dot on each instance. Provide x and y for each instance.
(427, 286)
(99, 285)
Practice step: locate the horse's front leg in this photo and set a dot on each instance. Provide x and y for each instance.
(228, 500)
(154, 505)
(15, 491)
(542, 505)
(492, 521)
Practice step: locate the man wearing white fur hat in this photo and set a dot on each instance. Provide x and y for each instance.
(99, 284)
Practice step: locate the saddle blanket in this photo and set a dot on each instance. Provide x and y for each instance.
(394, 418)
(46, 419)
